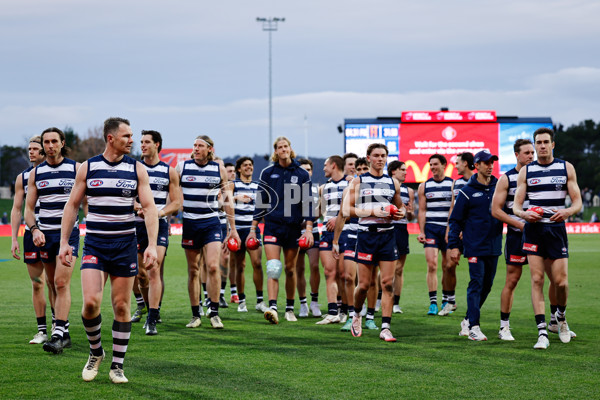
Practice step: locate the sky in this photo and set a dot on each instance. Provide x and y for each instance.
(187, 68)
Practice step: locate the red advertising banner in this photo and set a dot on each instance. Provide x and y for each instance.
(174, 156)
(419, 141)
(448, 116)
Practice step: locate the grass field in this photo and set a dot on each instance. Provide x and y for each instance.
(251, 359)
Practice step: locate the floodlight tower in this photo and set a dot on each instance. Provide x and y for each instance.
(270, 25)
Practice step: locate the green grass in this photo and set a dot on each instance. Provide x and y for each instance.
(252, 359)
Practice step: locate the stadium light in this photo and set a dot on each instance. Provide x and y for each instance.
(270, 25)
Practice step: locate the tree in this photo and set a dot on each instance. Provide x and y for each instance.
(580, 145)
(13, 160)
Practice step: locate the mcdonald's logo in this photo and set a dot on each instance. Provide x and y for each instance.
(422, 174)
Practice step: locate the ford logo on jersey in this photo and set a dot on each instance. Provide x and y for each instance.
(43, 184)
(96, 183)
(126, 184)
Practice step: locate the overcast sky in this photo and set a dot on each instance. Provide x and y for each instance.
(197, 67)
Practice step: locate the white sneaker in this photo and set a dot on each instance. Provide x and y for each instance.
(363, 312)
(386, 335)
(39, 338)
(242, 307)
(290, 317)
(542, 342)
(564, 334)
(553, 327)
(194, 322)
(91, 368)
(464, 328)
(447, 310)
(397, 309)
(476, 334)
(202, 311)
(261, 307)
(314, 309)
(378, 305)
(329, 319)
(117, 376)
(271, 316)
(504, 334)
(216, 322)
(303, 310)
(343, 318)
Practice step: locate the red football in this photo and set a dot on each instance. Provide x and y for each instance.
(391, 209)
(538, 210)
(233, 245)
(252, 244)
(303, 243)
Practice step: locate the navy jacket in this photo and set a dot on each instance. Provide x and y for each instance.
(482, 233)
(284, 195)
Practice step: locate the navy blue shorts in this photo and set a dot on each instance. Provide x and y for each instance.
(349, 246)
(285, 236)
(50, 250)
(243, 233)
(401, 232)
(142, 235)
(435, 236)
(513, 248)
(223, 231)
(195, 235)
(326, 241)
(30, 251)
(546, 240)
(116, 256)
(373, 247)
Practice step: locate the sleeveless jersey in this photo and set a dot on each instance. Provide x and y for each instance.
(512, 176)
(547, 187)
(111, 188)
(158, 177)
(459, 184)
(332, 197)
(375, 193)
(314, 190)
(244, 211)
(405, 199)
(54, 184)
(438, 196)
(25, 179)
(201, 186)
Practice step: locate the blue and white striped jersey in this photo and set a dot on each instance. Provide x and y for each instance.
(374, 193)
(438, 196)
(332, 197)
(244, 210)
(158, 177)
(201, 185)
(405, 200)
(512, 176)
(547, 187)
(25, 179)
(54, 184)
(111, 188)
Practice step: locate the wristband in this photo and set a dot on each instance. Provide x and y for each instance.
(33, 227)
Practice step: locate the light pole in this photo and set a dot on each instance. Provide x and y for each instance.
(270, 25)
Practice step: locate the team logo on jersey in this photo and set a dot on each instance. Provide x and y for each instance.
(559, 179)
(96, 183)
(517, 259)
(126, 193)
(270, 239)
(534, 181)
(43, 184)
(133, 265)
(472, 260)
(365, 256)
(294, 179)
(31, 255)
(564, 250)
(530, 247)
(89, 260)
(187, 242)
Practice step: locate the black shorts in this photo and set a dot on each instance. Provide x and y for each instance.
(349, 249)
(373, 247)
(401, 232)
(435, 236)
(196, 235)
(513, 248)
(50, 250)
(285, 236)
(30, 251)
(116, 256)
(142, 235)
(546, 240)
